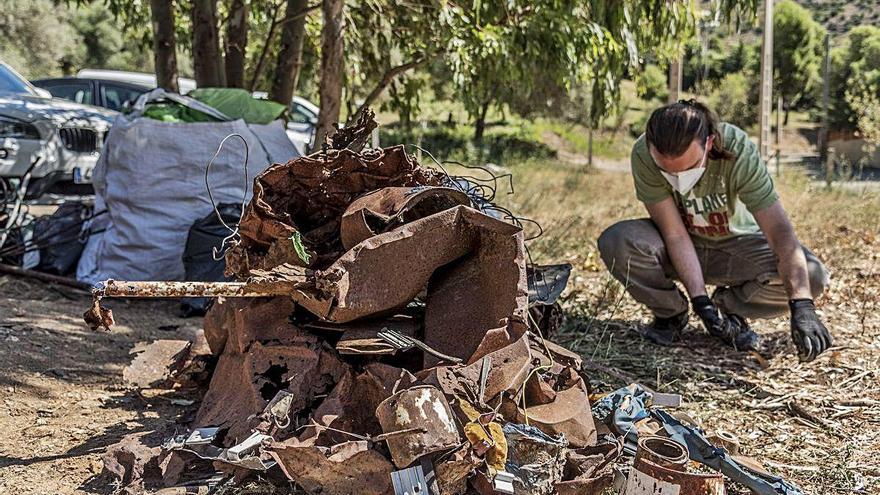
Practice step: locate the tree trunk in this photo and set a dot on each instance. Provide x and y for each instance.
(480, 124)
(164, 44)
(289, 61)
(236, 43)
(330, 87)
(206, 44)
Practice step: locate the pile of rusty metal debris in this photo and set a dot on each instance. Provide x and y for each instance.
(386, 335)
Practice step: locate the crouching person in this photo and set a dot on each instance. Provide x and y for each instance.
(715, 218)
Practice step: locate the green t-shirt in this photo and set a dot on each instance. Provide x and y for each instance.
(721, 204)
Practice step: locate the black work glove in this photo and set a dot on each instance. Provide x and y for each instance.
(808, 333)
(709, 315)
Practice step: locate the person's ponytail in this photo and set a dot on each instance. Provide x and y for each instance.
(673, 127)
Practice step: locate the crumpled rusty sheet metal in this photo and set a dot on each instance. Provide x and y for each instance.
(351, 405)
(588, 470)
(155, 364)
(238, 323)
(244, 383)
(508, 368)
(384, 209)
(307, 196)
(566, 411)
(350, 467)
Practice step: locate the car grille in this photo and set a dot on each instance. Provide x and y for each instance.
(79, 139)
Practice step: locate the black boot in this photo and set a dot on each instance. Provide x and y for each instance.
(666, 331)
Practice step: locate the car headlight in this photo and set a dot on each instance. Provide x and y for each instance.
(10, 128)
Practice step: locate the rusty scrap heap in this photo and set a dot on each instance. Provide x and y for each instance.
(392, 349)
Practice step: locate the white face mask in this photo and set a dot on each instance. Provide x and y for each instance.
(684, 181)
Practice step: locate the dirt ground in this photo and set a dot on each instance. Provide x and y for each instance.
(61, 386)
(816, 423)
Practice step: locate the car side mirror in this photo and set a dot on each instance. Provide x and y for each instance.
(42, 92)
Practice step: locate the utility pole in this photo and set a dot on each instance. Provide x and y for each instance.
(675, 81)
(779, 135)
(823, 131)
(766, 92)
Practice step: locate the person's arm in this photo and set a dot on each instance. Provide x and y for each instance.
(679, 246)
(809, 334)
(792, 264)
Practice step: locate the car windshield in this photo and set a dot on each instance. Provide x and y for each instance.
(11, 82)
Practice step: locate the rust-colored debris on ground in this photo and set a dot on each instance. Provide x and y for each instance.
(401, 351)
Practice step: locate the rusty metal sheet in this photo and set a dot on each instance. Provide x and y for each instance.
(307, 196)
(243, 384)
(379, 211)
(569, 413)
(454, 471)
(350, 467)
(422, 407)
(351, 406)
(155, 364)
(588, 470)
(508, 368)
(485, 290)
(134, 460)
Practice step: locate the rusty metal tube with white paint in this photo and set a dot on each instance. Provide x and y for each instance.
(116, 288)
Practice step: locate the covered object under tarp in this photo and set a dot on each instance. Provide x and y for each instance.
(151, 179)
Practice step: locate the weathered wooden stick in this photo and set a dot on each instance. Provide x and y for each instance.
(44, 277)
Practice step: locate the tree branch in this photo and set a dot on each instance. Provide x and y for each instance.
(299, 15)
(389, 76)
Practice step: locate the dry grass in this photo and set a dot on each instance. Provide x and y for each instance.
(833, 444)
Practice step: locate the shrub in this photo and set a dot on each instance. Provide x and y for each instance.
(735, 100)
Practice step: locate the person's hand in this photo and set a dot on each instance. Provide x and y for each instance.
(808, 333)
(709, 315)
(730, 329)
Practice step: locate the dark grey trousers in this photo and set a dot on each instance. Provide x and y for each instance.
(744, 267)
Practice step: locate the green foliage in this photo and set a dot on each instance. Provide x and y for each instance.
(855, 76)
(797, 51)
(652, 83)
(104, 45)
(862, 93)
(498, 51)
(36, 37)
(735, 99)
(447, 142)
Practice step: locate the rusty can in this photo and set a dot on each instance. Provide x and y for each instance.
(659, 470)
(662, 451)
(425, 412)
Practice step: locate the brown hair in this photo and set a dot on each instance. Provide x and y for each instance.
(673, 127)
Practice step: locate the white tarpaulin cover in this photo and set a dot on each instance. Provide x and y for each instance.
(151, 179)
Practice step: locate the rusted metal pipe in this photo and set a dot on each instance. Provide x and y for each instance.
(116, 288)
